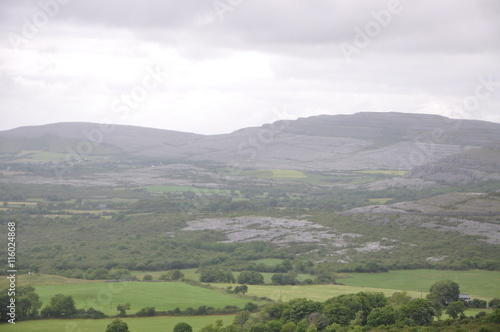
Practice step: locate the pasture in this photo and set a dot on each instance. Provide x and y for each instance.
(150, 324)
(315, 292)
(105, 296)
(476, 283)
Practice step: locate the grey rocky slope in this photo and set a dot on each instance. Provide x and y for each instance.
(396, 141)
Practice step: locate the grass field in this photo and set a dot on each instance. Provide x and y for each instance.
(476, 283)
(151, 324)
(314, 292)
(192, 275)
(161, 295)
(269, 261)
(44, 279)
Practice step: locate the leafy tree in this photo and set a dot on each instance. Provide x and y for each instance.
(147, 277)
(146, 312)
(288, 327)
(183, 327)
(60, 306)
(302, 326)
(381, 316)
(418, 312)
(300, 309)
(400, 298)
(477, 303)
(122, 308)
(455, 309)
(494, 317)
(241, 289)
(99, 274)
(444, 292)
(312, 328)
(117, 326)
(494, 304)
(339, 313)
(216, 275)
(284, 279)
(27, 303)
(241, 318)
(318, 319)
(175, 275)
(251, 278)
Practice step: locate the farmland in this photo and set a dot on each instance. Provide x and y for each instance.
(161, 295)
(150, 324)
(477, 283)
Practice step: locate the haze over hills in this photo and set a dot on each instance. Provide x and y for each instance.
(395, 141)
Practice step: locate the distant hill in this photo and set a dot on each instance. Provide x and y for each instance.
(395, 141)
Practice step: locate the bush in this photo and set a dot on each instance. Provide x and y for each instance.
(183, 327)
(251, 278)
(495, 303)
(117, 326)
(146, 312)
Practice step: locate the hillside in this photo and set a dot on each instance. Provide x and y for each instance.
(361, 141)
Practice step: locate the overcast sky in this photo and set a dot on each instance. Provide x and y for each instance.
(217, 66)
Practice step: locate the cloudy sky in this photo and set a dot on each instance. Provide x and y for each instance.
(217, 66)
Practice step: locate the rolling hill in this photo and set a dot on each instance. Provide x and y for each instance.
(393, 141)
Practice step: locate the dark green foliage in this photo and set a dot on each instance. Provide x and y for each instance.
(117, 326)
(251, 278)
(495, 303)
(381, 316)
(300, 309)
(243, 289)
(494, 317)
(60, 306)
(339, 313)
(416, 312)
(284, 279)
(477, 303)
(455, 309)
(216, 275)
(122, 309)
(444, 292)
(182, 327)
(27, 303)
(146, 312)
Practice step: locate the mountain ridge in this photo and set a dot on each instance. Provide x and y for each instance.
(366, 140)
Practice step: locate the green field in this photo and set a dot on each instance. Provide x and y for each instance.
(161, 295)
(151, 324)
(269, 261)
(315, 292)
(476, 283)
